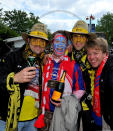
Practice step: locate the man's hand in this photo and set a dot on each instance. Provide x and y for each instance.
(25, 75)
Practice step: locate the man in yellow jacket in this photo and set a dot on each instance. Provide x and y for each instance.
(20, 80)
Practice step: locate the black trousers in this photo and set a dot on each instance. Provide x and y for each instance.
(88, 122)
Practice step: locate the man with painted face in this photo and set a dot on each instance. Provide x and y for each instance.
(20, 82)
(79, 36)
(59, 45)
(58, 63)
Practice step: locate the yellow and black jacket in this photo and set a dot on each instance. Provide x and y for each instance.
(13, 93)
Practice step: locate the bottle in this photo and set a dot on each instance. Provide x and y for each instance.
(32, 62)
(35, 80)
(58, 91)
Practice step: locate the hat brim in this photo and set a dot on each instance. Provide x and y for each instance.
(78, 33)
(25, 37)
(38, 37)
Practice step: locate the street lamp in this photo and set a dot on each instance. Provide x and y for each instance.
(90, 18)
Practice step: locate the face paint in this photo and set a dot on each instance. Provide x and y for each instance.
(79, 38)
(38, 42)
(60, 43)
(79, 41)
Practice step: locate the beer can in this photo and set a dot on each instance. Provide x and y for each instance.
(31, 61)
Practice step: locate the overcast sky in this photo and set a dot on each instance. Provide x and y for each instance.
(61, 14)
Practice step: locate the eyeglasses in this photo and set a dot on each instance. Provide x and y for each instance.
(38, 42)
(79, 38)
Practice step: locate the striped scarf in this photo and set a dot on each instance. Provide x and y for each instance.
(77, 55)
(96, 97)
(48, 70)
(81, 59)
(13, 104)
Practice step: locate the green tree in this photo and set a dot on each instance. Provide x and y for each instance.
(5, 32)
(105, 24)
(19, 21)
(1, 16)
(49, 34)
(13, 23)
(32, 20)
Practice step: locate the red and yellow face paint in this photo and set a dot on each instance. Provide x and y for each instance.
(38, 42)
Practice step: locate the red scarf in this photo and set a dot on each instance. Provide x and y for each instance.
(96, 97)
